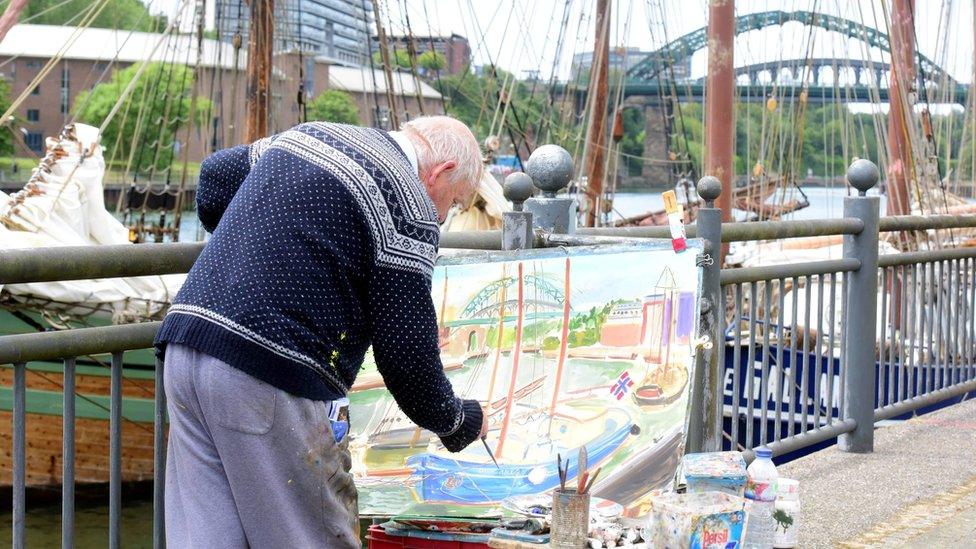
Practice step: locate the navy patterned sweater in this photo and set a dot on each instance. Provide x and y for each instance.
(323, 243)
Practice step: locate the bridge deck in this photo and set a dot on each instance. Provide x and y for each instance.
(918, 489)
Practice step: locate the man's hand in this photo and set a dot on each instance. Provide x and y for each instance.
(484, 422)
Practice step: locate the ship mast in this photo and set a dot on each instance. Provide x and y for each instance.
(259, 48)
(387, 67)
(719, 100)
(597, 131)
(902, 77)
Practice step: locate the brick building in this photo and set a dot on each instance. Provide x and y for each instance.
(91, 58)
(454, 48)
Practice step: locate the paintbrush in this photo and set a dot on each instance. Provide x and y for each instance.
(484, 441)
(562, 474)
(589, 484)
(581, 470)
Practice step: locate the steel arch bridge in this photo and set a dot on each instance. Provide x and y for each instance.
(681, 48)
(547, 302)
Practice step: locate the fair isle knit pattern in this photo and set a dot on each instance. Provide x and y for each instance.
(324, 242)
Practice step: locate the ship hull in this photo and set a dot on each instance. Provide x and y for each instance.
(44, 429)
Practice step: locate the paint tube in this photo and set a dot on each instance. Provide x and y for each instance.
(674, 211)
(339, 418)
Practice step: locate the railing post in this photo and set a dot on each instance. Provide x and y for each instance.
(862, 297)
(159, 461)
(20, 454)
(705, 418)
(551, 169)
(517, 225)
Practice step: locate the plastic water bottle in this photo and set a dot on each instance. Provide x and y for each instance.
(761, 491)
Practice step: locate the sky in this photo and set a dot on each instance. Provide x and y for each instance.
(521, 36)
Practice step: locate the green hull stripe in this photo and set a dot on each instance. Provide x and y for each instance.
(86, 406)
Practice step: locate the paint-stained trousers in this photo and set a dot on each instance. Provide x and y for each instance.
(249, 465)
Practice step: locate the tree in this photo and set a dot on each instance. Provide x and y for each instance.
(471, 98)
(6, 137)
(334, 106)
(118, 14)
(632, 143)
(399, 58)
(432, 61)
(161, 99)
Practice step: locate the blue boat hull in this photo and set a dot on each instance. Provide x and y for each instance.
(449, 480)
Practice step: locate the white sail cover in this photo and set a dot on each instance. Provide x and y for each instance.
(63, 205)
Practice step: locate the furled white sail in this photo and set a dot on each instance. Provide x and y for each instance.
(63, 205)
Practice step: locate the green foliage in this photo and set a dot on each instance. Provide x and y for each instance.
(118, 14)
(6, 138)
(432, 61)
(471, 98)
(823, 139)
(550, 343)
(632, 143)
(334, 106)
(161, 94)
(400, 59)
(531, 334)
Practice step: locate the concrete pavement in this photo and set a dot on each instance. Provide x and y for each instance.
(918, 488)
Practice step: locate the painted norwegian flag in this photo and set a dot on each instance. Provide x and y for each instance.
(623, 384)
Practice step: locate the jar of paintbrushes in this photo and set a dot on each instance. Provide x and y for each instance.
(571, 504)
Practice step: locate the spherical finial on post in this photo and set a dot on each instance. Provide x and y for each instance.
(517, 188)
(551, 168)
(863, 174)
(709, 188)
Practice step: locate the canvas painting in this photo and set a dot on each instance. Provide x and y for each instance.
(566, 348)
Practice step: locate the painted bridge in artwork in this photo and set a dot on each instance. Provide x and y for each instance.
(484, 307)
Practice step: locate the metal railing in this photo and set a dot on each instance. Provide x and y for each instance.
(812, 314)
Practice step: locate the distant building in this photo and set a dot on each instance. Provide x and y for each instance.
(336, 29)
(455, 48)
(368, 87)
(624, 59)
(96, 53)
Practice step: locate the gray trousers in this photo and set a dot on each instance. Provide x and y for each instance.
(249, 465)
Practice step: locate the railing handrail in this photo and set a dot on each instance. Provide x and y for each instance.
(921, 223)
(59, 263)
(88, 262)
(789, 270)
(746, 231)
(59, 344)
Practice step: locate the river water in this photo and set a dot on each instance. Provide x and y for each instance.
(91, 521)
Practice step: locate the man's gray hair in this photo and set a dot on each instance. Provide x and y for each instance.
(447, 139)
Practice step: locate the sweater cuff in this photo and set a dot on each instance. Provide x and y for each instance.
(468, 431)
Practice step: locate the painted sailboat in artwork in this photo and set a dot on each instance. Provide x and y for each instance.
(527, 461)
(663, 382)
